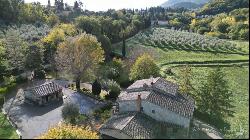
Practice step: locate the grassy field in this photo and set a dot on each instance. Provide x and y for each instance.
(238, 80)
(7, 131)
(234, 62)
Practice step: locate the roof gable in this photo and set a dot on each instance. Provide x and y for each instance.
(139, 126)
(165, 86)
(161, 93)
(45, 89)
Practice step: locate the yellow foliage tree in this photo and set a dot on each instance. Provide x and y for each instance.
(79, 56)
(65, 131)
(59, 34)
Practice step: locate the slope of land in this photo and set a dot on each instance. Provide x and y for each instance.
(183, 3)
(172, 53)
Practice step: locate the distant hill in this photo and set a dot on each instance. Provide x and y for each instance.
(189, 4)
(214, 7)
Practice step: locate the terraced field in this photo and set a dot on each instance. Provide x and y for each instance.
(173, 49)
(176, 48)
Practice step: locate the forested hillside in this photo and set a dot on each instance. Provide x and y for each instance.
(170, 3)
(223, 6)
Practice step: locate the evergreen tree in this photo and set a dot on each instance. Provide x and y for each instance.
(96, 88)
(76, 5)
(214, 96)
(49, 5)
(185, 80)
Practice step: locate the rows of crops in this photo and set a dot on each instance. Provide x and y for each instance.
(167, 39)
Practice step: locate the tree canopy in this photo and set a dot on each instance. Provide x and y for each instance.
(214, 97)
(79, 55)
(143, 68)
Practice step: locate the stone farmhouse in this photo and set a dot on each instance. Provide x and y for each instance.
(43, 94)
(150, 108)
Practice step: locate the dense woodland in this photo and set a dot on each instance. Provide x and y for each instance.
(48, 40)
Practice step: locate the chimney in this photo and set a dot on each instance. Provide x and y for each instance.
(138, 101)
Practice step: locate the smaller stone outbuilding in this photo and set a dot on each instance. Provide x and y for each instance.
(43, 94)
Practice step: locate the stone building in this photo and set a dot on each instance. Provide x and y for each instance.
(43, 94)
(150, 108)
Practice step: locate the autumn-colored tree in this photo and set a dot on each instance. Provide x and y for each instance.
(57, 35)
(79, 55)
(144, 67)
(65, 131)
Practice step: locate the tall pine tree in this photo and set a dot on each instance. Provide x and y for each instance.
(215, 97)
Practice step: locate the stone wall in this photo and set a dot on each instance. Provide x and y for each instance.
(163, 114)
(156, 112)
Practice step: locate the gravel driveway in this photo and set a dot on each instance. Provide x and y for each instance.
(32, 121)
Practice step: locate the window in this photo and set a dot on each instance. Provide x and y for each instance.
(153, 111)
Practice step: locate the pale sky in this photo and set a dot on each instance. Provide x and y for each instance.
(103, 5)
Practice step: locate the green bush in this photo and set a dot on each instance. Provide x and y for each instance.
(103, 113)
(70, 112)
(11, 86)
(40, 74)
(1, 101)
(114, 89)
(7, 88)
(3, 90)
(123, 80)
(20, 79)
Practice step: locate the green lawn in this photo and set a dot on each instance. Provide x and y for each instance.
(7, 131)
(238, 80)
(236, 67)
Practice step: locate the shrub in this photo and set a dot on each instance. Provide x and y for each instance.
(114, 90)
(20, 79)
(111, 70)
(11, 86)
(96, 88)
(9, 80)
(123, 80)
(66, 131)
(40, 74)
(1, 101)
(103, 113)
(70, 112)
(3, 90)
